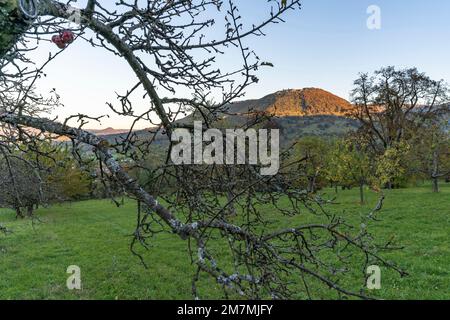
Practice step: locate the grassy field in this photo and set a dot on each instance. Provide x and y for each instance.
(95, 236)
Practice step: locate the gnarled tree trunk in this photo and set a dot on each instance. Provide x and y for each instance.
(15, 18)
(435, 174)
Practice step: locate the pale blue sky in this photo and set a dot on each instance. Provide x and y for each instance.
(325, 45)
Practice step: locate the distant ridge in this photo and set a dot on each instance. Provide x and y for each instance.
(108, 131)
(296, 103)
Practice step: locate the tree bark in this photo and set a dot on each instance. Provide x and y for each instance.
(231, 208)
(361, 193)
(14, 24)
(312, 184)
(435, 174)
(30, 210)
(435, 183)
(19, 214)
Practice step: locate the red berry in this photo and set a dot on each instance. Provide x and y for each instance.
(56, 39)
(59, 42)
(61, 45)
(67, 36)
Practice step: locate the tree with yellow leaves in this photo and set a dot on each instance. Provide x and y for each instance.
(350, 165)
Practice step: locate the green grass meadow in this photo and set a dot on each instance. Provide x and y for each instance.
(95, 235)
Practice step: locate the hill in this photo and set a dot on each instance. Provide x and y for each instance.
(298, 113)
(108, 131)
(296, 103)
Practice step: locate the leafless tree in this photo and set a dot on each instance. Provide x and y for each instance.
(393, 104)
(21, 185)
(170, 45)
(431, 152)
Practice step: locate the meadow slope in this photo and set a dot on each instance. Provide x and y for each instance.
(95, 235)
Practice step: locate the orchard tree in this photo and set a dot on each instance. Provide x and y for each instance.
(431, 153)
(393, 104)
(392, 167)
(313, 153)
(61, 173)
(349, 164)
(22, 188)
(173, 48)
